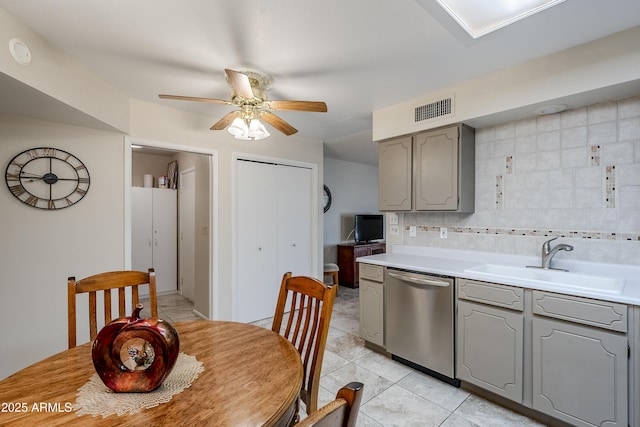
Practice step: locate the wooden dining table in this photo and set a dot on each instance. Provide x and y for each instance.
(252, 377)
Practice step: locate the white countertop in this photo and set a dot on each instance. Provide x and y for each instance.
(451, 262)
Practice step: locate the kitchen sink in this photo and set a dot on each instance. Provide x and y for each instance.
(554, 277)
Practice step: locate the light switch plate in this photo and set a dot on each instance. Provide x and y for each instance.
(412, 231)
(443, 232)
(393, 218)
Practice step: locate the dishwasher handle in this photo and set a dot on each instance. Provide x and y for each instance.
(417, 280)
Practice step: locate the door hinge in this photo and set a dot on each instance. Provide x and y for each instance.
(628, 352)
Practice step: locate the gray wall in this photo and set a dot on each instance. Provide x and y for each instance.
(354, 187)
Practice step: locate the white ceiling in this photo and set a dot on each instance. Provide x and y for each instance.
(356, 55)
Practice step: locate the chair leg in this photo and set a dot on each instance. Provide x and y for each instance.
(334, 275)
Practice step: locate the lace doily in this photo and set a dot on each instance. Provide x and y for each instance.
(95, 398)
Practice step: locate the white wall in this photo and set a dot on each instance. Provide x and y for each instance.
(40, 249)
(354, 189)
(575, 174)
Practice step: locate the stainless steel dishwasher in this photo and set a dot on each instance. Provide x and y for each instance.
(419, 321)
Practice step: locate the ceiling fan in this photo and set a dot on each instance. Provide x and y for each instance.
(249, 95)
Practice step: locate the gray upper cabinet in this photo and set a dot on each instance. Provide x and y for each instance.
(395, 175)
(429, 171)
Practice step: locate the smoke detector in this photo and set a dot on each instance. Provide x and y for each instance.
(20, 51)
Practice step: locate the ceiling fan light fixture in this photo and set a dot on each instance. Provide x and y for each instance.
(255, 131)
(238, 128)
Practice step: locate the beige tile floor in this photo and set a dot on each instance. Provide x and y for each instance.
(394, 394)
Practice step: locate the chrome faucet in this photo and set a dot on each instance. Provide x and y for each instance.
(548, 252)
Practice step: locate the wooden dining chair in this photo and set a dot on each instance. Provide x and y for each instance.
(341, 412)
(307, 327)
(105, 282)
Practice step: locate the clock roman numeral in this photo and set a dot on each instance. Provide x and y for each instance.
(33, 154)
(49, 152)
(17, 190)
(81, 191)
(83, 180)
(13, 177)
(79, 168)
(32, 200)
(51, 205)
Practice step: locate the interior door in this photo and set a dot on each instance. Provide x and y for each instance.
(165, 244)
(257, 287)
(294, 220)
(141, 231)
(187, 233)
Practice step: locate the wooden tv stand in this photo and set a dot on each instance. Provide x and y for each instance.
(347, 254)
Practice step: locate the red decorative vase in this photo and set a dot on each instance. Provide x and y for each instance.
(135, 355)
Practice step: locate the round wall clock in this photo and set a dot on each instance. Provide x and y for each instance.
(326, 198)
(47, 178)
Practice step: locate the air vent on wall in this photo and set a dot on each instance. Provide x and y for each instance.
(434, 110)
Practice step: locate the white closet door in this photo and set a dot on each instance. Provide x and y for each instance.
(257, 287)
(141, 231)
(294, 220)
(165, 244)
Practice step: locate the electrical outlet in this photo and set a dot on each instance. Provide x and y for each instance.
(393, 218)
(412, 231)
(395, 230)
(443, 232)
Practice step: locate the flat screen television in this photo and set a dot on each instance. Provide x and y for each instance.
(368, 227)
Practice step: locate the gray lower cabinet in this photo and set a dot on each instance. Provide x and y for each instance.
(490, 338)
(580, 371)
(490, 349)
(372, 303)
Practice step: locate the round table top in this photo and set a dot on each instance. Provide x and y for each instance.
(252, 377)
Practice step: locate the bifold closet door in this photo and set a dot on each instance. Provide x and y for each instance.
(273, 233)
(294, 220)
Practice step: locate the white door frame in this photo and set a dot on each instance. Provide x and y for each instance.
(214, 284)
(181, 216)
(316, 266)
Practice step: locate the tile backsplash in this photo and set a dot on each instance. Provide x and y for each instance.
(574, 174)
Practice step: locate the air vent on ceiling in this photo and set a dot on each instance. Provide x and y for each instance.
(434, 110)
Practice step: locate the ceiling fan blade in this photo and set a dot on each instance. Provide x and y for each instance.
(313, 106)
(226, 120)
(193, 98)
(240, 83)
(278, 123)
